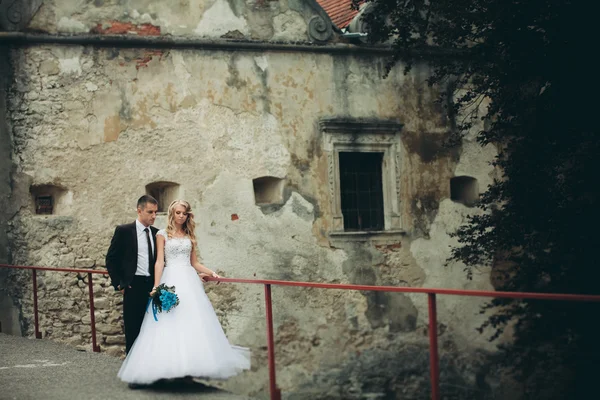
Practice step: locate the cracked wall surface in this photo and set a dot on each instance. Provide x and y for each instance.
(272, 20)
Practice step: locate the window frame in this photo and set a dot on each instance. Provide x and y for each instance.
(343, 135)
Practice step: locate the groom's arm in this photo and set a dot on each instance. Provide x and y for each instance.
(114, 258)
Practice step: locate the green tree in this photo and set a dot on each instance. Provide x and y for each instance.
(529, 59)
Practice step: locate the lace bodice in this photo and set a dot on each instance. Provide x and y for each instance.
(177, 250)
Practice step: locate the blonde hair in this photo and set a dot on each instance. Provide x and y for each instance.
(188, 227)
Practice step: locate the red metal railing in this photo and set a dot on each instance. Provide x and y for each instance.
(89, 273)
(273, 389)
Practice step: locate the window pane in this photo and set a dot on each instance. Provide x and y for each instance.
(43, 205)
(361, 190)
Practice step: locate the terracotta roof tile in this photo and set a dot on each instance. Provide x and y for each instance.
(339, 11)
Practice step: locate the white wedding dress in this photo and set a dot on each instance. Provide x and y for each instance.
(188, 340)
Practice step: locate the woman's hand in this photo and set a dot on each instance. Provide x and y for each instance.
(153, 292)
(213, 274)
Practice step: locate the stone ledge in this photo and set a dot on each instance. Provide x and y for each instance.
(170, 42)
(367, 235)
(359, 125)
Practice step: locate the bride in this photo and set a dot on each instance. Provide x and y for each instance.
(188, 340)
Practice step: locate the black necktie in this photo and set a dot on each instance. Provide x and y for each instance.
(150, 254)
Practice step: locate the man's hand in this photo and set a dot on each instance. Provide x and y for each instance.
(122, 290)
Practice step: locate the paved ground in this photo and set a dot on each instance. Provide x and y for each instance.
(42, 369)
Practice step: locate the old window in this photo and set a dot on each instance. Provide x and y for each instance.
(164, 192)
(361, 191)
(364, 176)
(43, 204)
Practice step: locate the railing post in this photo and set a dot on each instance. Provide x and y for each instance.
(275, 393)
(434, 367)
(95, 347)
(36, 320)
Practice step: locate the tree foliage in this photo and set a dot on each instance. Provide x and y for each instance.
(528, 58)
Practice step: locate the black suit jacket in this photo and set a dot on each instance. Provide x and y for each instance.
(121, 258)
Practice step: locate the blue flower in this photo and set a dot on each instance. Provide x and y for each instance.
(167, 300)
(163, 299)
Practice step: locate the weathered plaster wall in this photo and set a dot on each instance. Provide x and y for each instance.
(272, 20)
(100, 125)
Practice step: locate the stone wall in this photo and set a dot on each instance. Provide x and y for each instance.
(97, 125)
(9, 313)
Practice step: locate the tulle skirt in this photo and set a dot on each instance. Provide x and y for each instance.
(187, 341)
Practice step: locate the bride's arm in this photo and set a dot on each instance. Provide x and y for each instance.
(160, 259)
(199, 267)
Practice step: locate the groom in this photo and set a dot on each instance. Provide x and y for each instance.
(130, 263)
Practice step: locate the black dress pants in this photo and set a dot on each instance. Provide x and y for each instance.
(135, 301)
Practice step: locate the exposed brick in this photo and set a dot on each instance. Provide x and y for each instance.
(122, 28)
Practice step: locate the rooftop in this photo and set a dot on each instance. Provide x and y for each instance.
(340, 11)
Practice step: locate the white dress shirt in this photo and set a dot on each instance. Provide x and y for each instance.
(142, 255)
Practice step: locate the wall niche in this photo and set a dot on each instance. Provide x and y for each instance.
(50, 199)
(464, 190)
(268, 190)
(165, 192)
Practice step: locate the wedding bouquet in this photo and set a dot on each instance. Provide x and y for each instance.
(163, 299)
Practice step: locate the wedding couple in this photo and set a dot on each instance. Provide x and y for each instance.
(188, 341)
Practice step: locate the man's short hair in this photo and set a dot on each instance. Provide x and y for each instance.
(145, 199)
